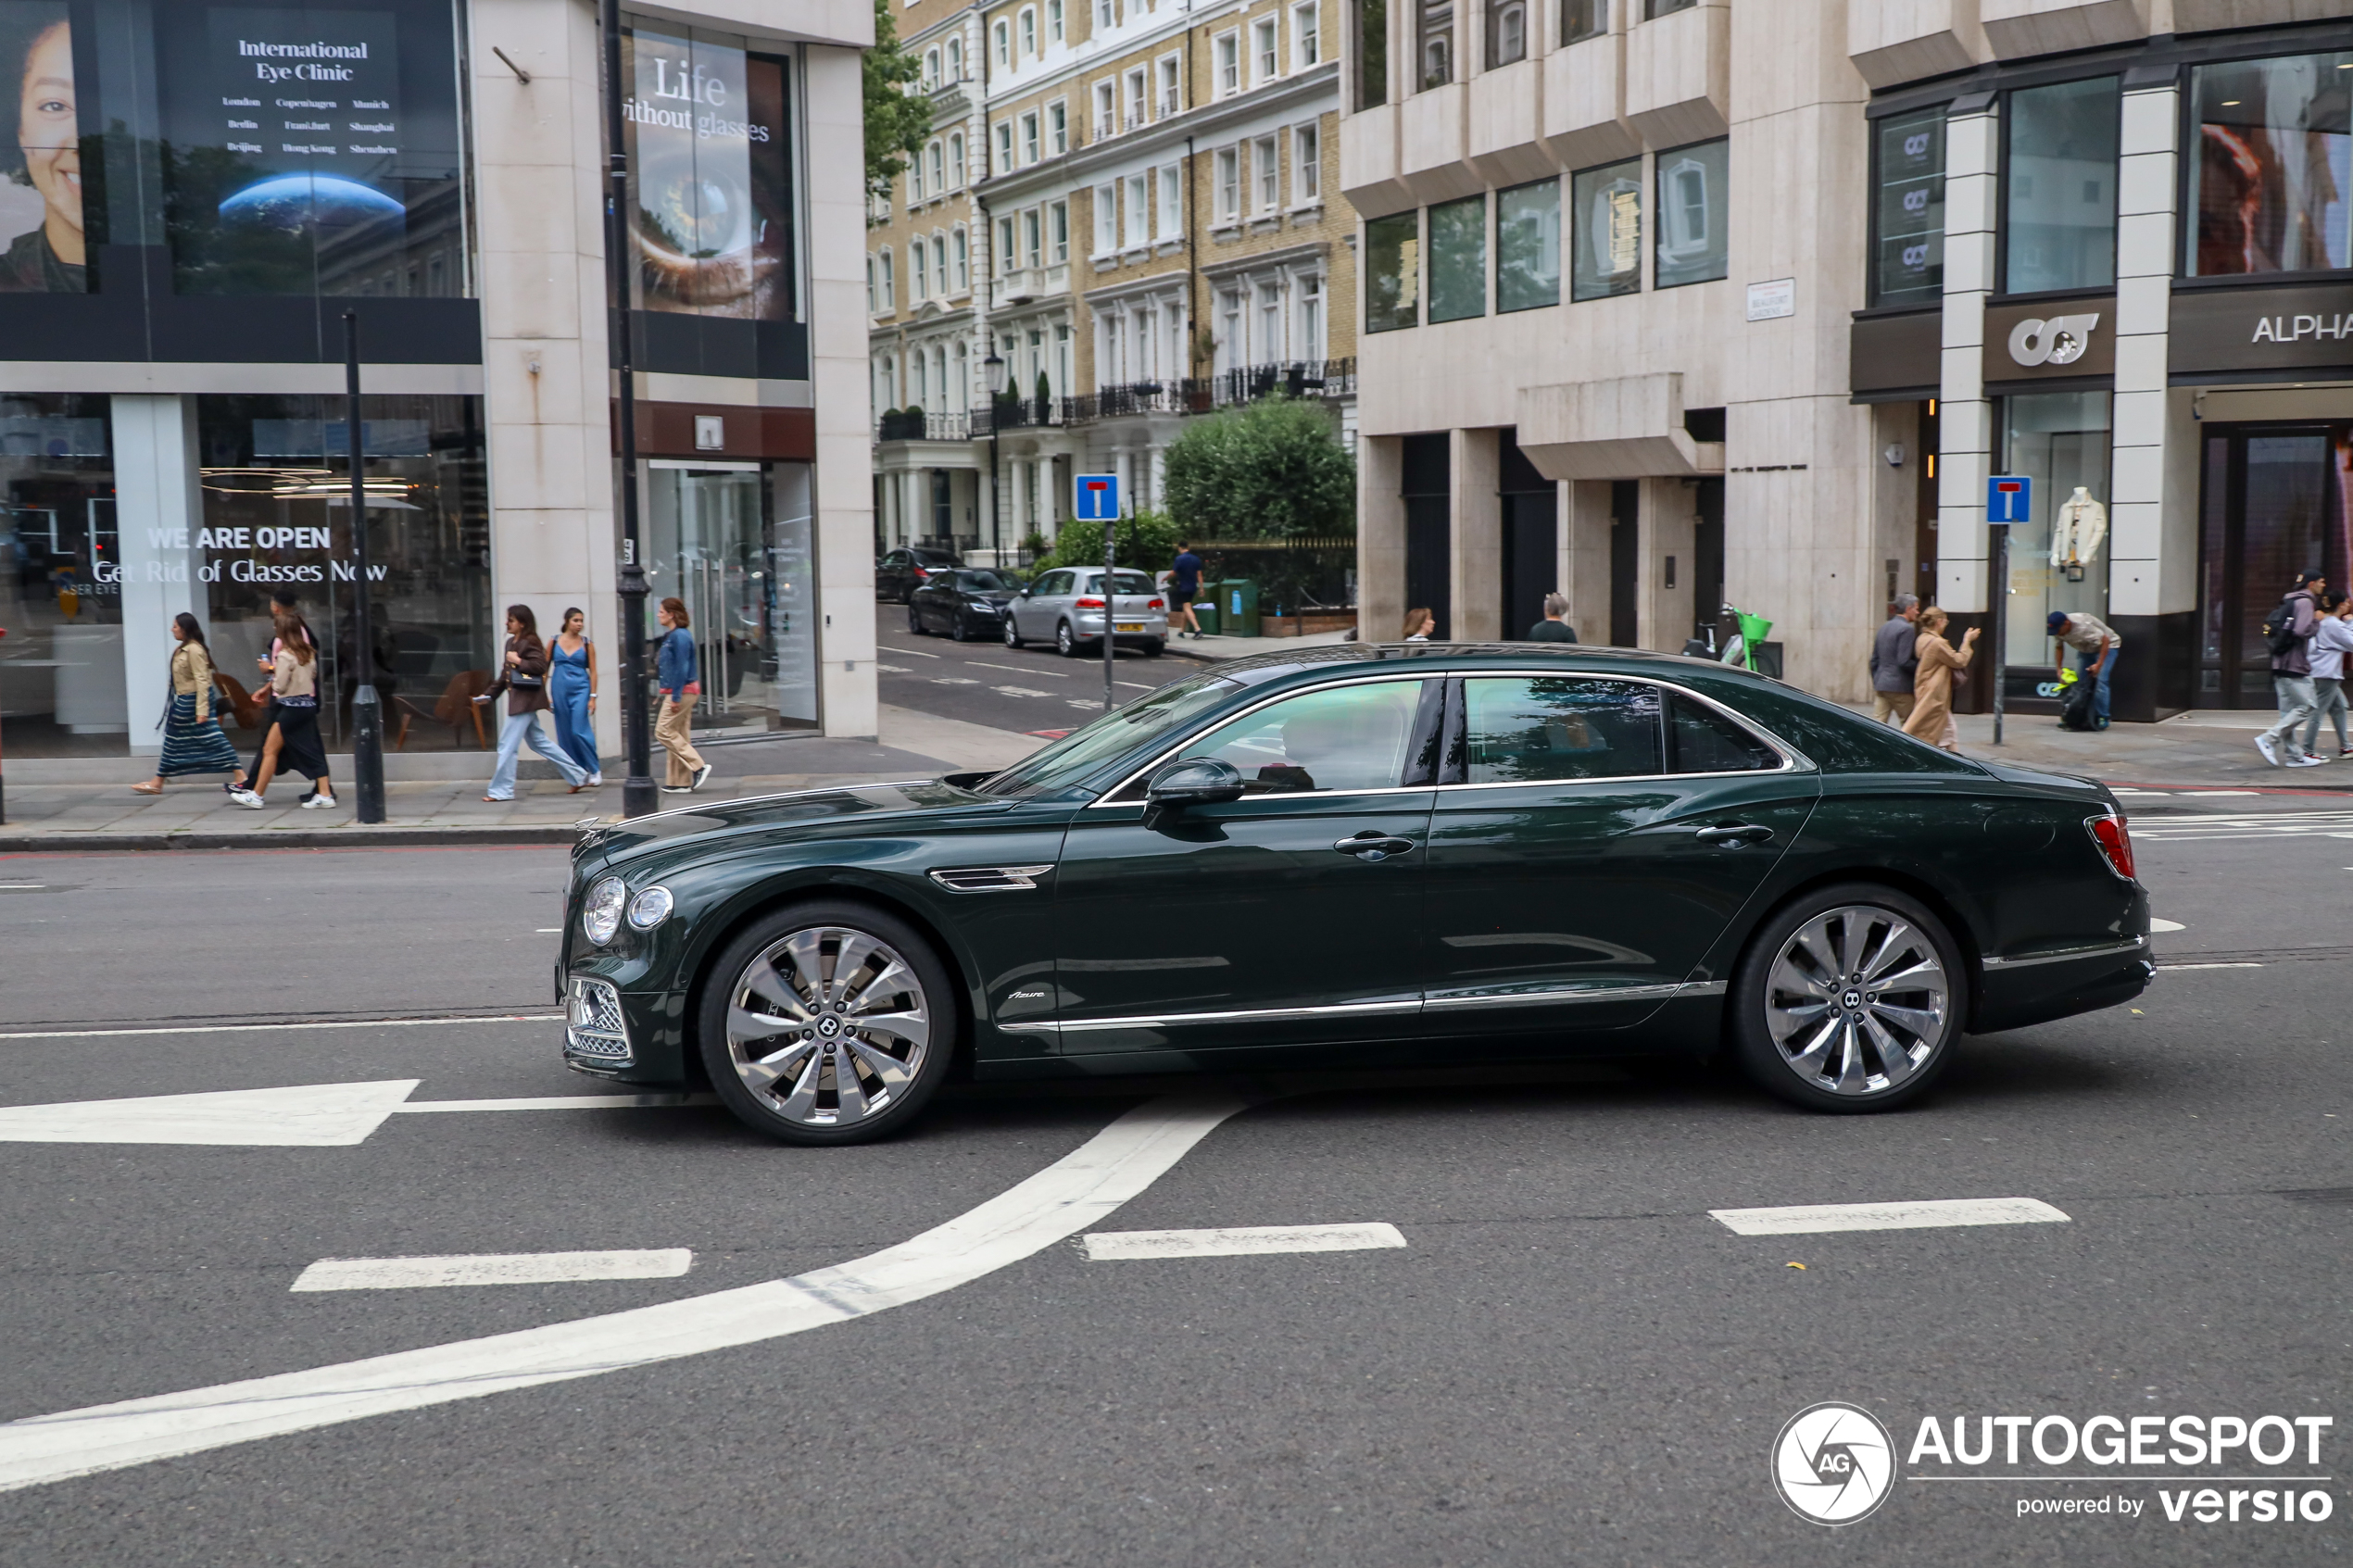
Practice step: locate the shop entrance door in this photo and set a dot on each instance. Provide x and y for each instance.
(732, 543)
(2276, 502)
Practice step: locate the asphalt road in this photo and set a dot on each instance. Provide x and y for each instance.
(1570, 1362)
(1030, 689)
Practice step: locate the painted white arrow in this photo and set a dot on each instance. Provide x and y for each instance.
(301, 1116)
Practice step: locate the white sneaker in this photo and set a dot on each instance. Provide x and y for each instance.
(2307, 761)
(701, 774)
(596, 781)
(2270, 752)
(320, 803)
(248, 799)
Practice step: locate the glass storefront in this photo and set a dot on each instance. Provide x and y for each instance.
(2059, 560)
(2058, 229)
(2277, 500)
(62, 670)
(735, 542)
(2273, 170)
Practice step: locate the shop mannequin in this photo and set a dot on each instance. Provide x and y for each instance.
(2076, 532)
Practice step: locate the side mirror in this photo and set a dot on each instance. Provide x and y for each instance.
(1194, 781)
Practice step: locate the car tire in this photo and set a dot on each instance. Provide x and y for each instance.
(1151, 649)
(959, 630)
(1813, 1019)
(915, 620)
(1065, 640)
(1011, 631)
(778, 1084)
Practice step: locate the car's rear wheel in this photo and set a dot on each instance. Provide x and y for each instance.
(1013, 633)
(1151, 649)
(827, 1022)
(1849, 999)
(1065, 640)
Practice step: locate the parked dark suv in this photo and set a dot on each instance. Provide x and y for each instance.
(903, 570)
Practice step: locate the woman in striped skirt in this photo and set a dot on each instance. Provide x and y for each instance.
(193, 739)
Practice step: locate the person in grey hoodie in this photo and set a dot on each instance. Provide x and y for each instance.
(2291, 673)
(1893, 663)
(2332, 640)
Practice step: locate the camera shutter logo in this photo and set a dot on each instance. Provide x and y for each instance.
(2060, 340)
(1835, 1463)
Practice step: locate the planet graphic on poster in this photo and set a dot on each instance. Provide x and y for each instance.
(291, 201)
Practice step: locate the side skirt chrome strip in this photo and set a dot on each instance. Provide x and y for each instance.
(2115, 950)
(1367, 1010)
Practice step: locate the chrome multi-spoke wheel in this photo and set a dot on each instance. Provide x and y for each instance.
(1849, 1001)
(832, 1026)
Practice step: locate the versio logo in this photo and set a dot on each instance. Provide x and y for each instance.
(1835, 1463)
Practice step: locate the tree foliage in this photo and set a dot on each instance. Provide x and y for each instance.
(1147, 541)
(1269, 469)
(897, 119)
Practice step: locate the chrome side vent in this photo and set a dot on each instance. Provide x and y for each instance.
(990, 878)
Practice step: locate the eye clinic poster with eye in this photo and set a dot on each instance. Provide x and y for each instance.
(706, 127)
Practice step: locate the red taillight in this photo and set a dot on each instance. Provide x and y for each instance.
(1090, 603)
(2116, 842)
(1155, 604)
(921, 575)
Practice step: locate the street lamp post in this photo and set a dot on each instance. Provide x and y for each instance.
(996, 371)
(367, 707)
(637, 798)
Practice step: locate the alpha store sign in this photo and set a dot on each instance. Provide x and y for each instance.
(2223, 330)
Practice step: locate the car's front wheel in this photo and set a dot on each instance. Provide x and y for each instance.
(1013, 633)
(827, 1022)
(914, 619)
(1851, 999)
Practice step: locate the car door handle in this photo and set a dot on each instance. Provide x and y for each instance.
(1734, 834)
(1372, 845)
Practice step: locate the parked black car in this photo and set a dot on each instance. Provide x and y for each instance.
(966, 604)
(1410, 853)
(905, 570)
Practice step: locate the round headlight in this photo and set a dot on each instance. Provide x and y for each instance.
(649, 909)
(600, 916)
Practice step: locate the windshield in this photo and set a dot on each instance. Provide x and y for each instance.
(984, 581)
(1082, 751)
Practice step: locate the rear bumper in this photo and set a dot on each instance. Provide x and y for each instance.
(2043, 986)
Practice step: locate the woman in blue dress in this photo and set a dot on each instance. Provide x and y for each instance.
(572, 686)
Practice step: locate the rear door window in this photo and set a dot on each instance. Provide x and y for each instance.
(1699, 740)
(1547, 728)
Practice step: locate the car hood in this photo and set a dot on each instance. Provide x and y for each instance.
(808, 812)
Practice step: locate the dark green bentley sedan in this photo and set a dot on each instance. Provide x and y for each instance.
(1409, 854)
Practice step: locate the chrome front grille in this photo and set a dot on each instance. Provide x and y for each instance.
(593, 1026)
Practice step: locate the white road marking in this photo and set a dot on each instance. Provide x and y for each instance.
(2173, 968)
(1240, 1241)
(2156, 924)
(2269, 825)
(1020, 669)
(1808, 1219)
(954, 680)
(301, 1116)
(548, 930)
(893, 648)
(491, 1268)
(1084, 701)
(1018, 691)
(1078, 1190)
(885, 669)
(256, 1028)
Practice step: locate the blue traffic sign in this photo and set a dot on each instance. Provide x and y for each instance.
(2009, 497)
(1095, 497)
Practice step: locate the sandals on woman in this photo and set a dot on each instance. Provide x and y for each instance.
(147, 789)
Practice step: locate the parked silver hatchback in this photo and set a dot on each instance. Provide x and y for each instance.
(1065, 606)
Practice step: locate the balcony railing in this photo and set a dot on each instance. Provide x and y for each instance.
(1296, 378)
(913, 424)
(1022, 413)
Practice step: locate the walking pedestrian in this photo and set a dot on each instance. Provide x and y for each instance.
(193, 739)
(1184, 584)
(1894, 664)
(1553, 628)
(283, 607)
(294, 733)
(1932, 716)
(674, 673)
(1420, 624)
(2289, 633)
(2332, 640)
(2096, 646)
(524, 677)
(571, 687)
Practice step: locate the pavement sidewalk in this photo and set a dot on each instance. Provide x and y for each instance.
(195, 814)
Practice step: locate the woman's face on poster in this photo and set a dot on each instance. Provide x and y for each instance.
(48, 131)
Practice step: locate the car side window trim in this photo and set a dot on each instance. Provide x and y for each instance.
(1453, 773)
(1112, 796)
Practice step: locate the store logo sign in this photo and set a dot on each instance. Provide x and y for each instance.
(2057, 340)
(711, 432)
(2295, 329)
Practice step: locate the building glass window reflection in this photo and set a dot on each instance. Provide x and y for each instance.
(2060, 199)
(61, 667)
(1907, 259)
(1458, 260)
(1392, 272)
(1527, 245)
(1606, 208)
(1693, 212)
(2273, 166)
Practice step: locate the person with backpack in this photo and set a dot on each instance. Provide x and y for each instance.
(1895, 665)
(2288, 631)
(2095, 644)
